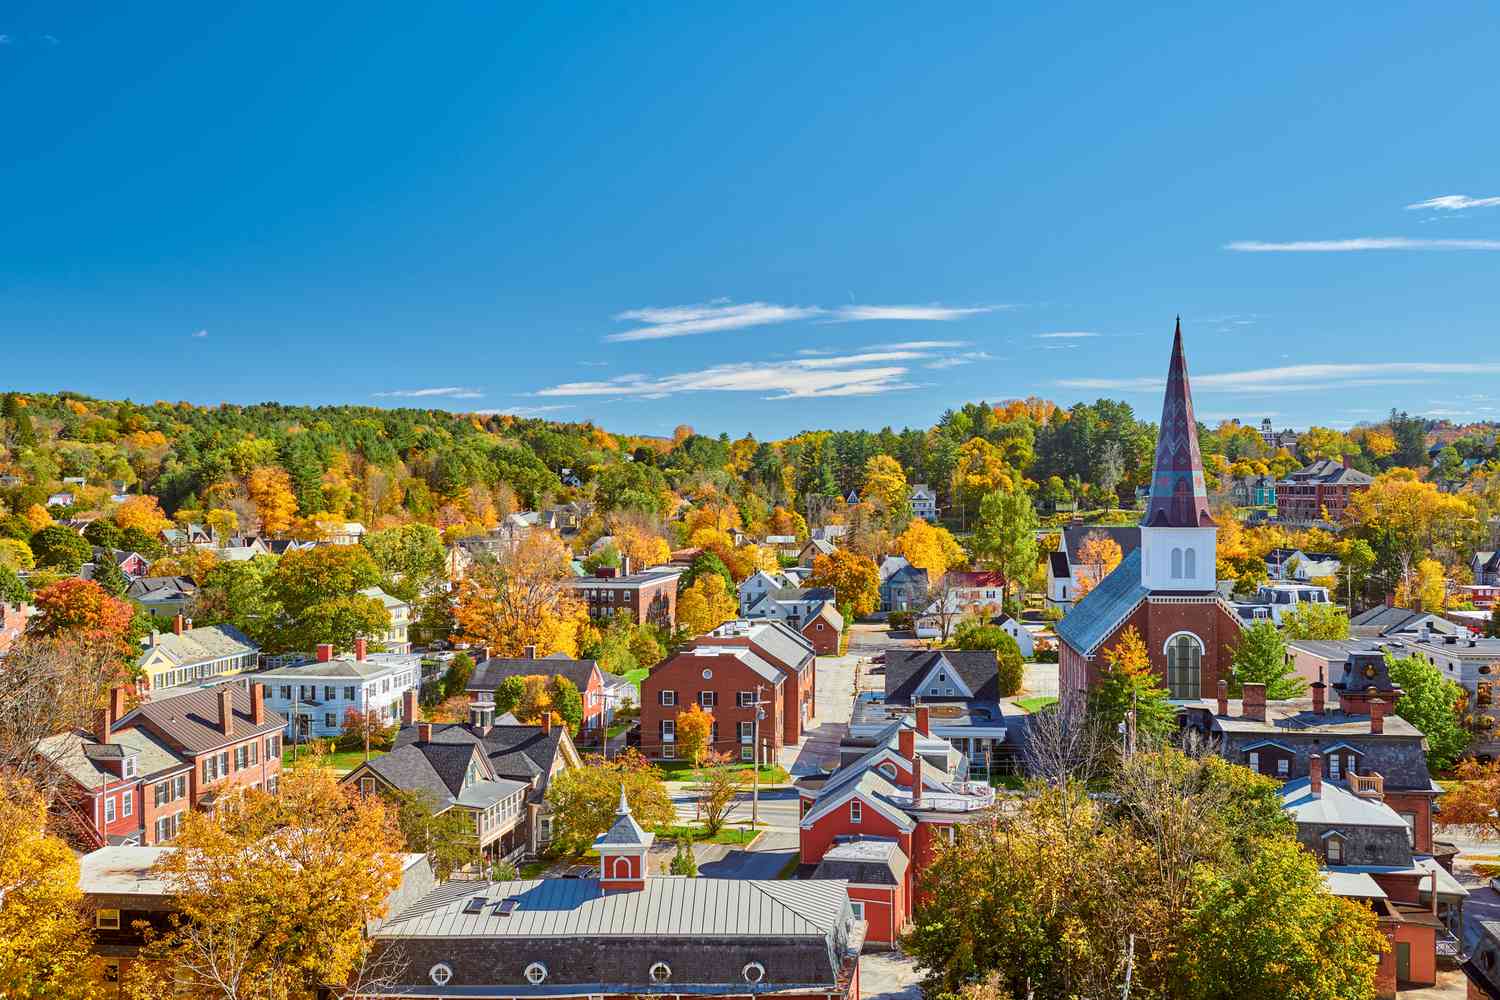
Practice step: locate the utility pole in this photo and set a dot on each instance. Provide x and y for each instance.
(296, 724)
(755, 754)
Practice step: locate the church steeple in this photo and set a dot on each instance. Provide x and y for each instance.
(1179, 498)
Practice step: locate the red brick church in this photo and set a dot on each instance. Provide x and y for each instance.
(1165, 588)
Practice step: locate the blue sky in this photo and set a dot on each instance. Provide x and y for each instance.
(751, 219)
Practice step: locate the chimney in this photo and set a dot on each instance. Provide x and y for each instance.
(409, 707)
(924, 720)
(177, 624)
(424, 732)
(604, 572)
(1319, 694)
(1377, 716)
(547, 723)
(529, 653)
(1348, 462)
(359, 649)
(1390, 600)
(484, 654)
(257, 704)
(916, 782)
(226, 710)
(1434, 892)
(1223, 698)
(325, 652)
(908, 743)
(187, 623)
(624, 565)
(1253, 702)
(1315, 775)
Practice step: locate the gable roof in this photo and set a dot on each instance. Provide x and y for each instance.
(1388, 620)
(80, 755)
(1331, 473)
(1335, 806)
(199, 645)
(489, 674)
(191, 721)
(516, 752)
(1095, 618)
(906, 668)
(440, 770)
(1127, 537)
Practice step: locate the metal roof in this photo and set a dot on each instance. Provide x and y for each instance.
(1095, 618)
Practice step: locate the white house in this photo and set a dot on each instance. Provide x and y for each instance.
(315, 696)
(394, 638)
(1020, 633)
(924, 502)
(758, 585)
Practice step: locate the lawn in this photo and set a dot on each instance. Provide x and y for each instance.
(636, 676)
(342, 761)
(1036, 702)
(729, 833)
(681, 770)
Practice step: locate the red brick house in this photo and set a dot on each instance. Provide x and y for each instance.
(726, 679)
(649, 596)
(874, 822)
(586, 676)
(824, 628)
(1319, 492)
(788, 650)
(1167, 588)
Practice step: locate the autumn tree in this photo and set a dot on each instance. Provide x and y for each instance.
(720, 781)
(522, 598)
(1128, 681)
(143, 513)
(272, 893)
(1472, 801)
(567, 703)
(16, 554)
(885, 486)
(693, 729)
(82, 610)
(930, 547)
(1424, 588)
(1098, 556)
(314, 597)
(854, 578)
(366, 729)
(977, 634)
(44, 936)
(1260, 658)
(584, 799)
(1408, 520)
(270, 489)
(447, 837)
(1005, 537)
(706, 605)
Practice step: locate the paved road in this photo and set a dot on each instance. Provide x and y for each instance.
(771, 854)
(778, 806)
(888, 975)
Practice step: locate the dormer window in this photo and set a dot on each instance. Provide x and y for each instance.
(127, 767)
(1334, 849)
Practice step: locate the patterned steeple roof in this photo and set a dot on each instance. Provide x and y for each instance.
(1179, 498)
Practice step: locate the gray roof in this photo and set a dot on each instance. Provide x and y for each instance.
(440, 771)
(1387, 620)
(1328, 471)
(191, 721)
(906, 668)
(520, 753)
(800, 594)
(1336, 806)
(1095, 618)
(1128, 538)
(706, 647)
(776, 639)
(864, 860)
(1333, 650)
(201, 645)
(161, 588)
(121, 871)
(80, 755)
(1355, 885)
(344, 667)
(488, 675)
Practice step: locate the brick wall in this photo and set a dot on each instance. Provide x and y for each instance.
(683, 675)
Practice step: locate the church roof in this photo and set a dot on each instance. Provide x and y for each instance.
(1095, 618)
(1179, 498)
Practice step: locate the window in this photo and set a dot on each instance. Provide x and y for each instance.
(127, 803)
(107, 920)
(440, 973)
(1283, 767)
(179, 787)
(747, 751)
(348, 694)
(1335, 850)
(747, 699)
(167, 827)
(708, 699)
(1190, 563)
(241, 757)
(254, 753)
(210, 772)
(661, 972)
(128, 767)
(367, 786)
(536, 973)
(329, 692)
(753, 972)
(1177, 564)
(224, 762)
(109, 809)
(272, 783)
(286, 691)
(888, 769)
(747, 732)
(667, 698)
(1184, 662)
(1333, 766)
(856, 811)
(858, 907)
(668, 730)
(112, 973)
(1410, 819)
(330, 720)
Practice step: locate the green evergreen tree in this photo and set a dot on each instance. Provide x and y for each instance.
(1261, 658)
(109, 576)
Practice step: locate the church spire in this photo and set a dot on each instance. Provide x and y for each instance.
(1179, 498)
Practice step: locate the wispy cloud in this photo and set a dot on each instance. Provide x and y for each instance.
(854, 375)
(449, 391)
(1455, 202)
(1288, 378)
(200, 334)
(525, 411)
(1067, 335)
(967, 358)
(1361, 243)
(660, 323)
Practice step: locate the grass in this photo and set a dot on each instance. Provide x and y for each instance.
(1036, 702)
(534, 869)
(790, 868)
(636, 676)
(1012, 782)
(681, 770)
(729, 833)
(342, 761)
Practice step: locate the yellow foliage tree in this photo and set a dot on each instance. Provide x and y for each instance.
(522, 598)
(706, 605)
(885, 482)
(44, 939)
(270, 489)
(37, 517)
(1425, 588)
(854, 578)
(786, 522)
(982, 468)
(930, 547)
(141, 512)
(1097, 556)
(641, 547)
(694, 726)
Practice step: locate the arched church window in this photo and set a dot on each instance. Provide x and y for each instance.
(1190, 563)
(1177, 564)
(1184, 666)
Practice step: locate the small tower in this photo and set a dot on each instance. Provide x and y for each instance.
(1178, 533)
(622, 851)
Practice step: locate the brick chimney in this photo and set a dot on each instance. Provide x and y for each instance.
(1253, 702)
(924, 720)
(177, 624)
(529, 653)
(624, 565)
(1223, 708)
(409, 707)
(547, 723)
(916, 782)
(226, 711)
(325, 652)
(908, 743)
(359, 649)
(1348, 462)
(111, 713)
(1315, 775)
(257, 704)
(424, 732)
(1319, 694)
(1390, 600)
(1377, 715)
(484, 654)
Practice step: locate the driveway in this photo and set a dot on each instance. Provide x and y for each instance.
(764, 860)
(888, 975)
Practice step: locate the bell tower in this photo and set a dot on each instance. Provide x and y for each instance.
(622, 851)
(1178, 534)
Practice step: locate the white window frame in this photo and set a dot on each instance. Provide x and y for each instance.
(856, 811)
(127, 803)
(708, 699)
(667, 698)
(857, 907)
(109, 808)
(107, 919)
(1252, 761)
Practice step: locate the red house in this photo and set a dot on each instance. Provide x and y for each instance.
(490, 673)
(727, 679)
(1319, 492)
(789, 651)
(824, 628)
(874, 822)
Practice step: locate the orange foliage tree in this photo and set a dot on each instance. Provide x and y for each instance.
(141, 512)
(271, 490)
(80, 609)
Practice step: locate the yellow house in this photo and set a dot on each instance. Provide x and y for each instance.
(187, 655)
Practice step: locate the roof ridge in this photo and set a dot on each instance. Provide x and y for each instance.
(759, 886)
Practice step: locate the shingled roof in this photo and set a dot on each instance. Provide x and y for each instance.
(1179, 497)
(489, 675)
(516, 752)
(978, 669)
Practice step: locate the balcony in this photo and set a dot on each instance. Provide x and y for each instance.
(961, 796)
(1367, 786)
